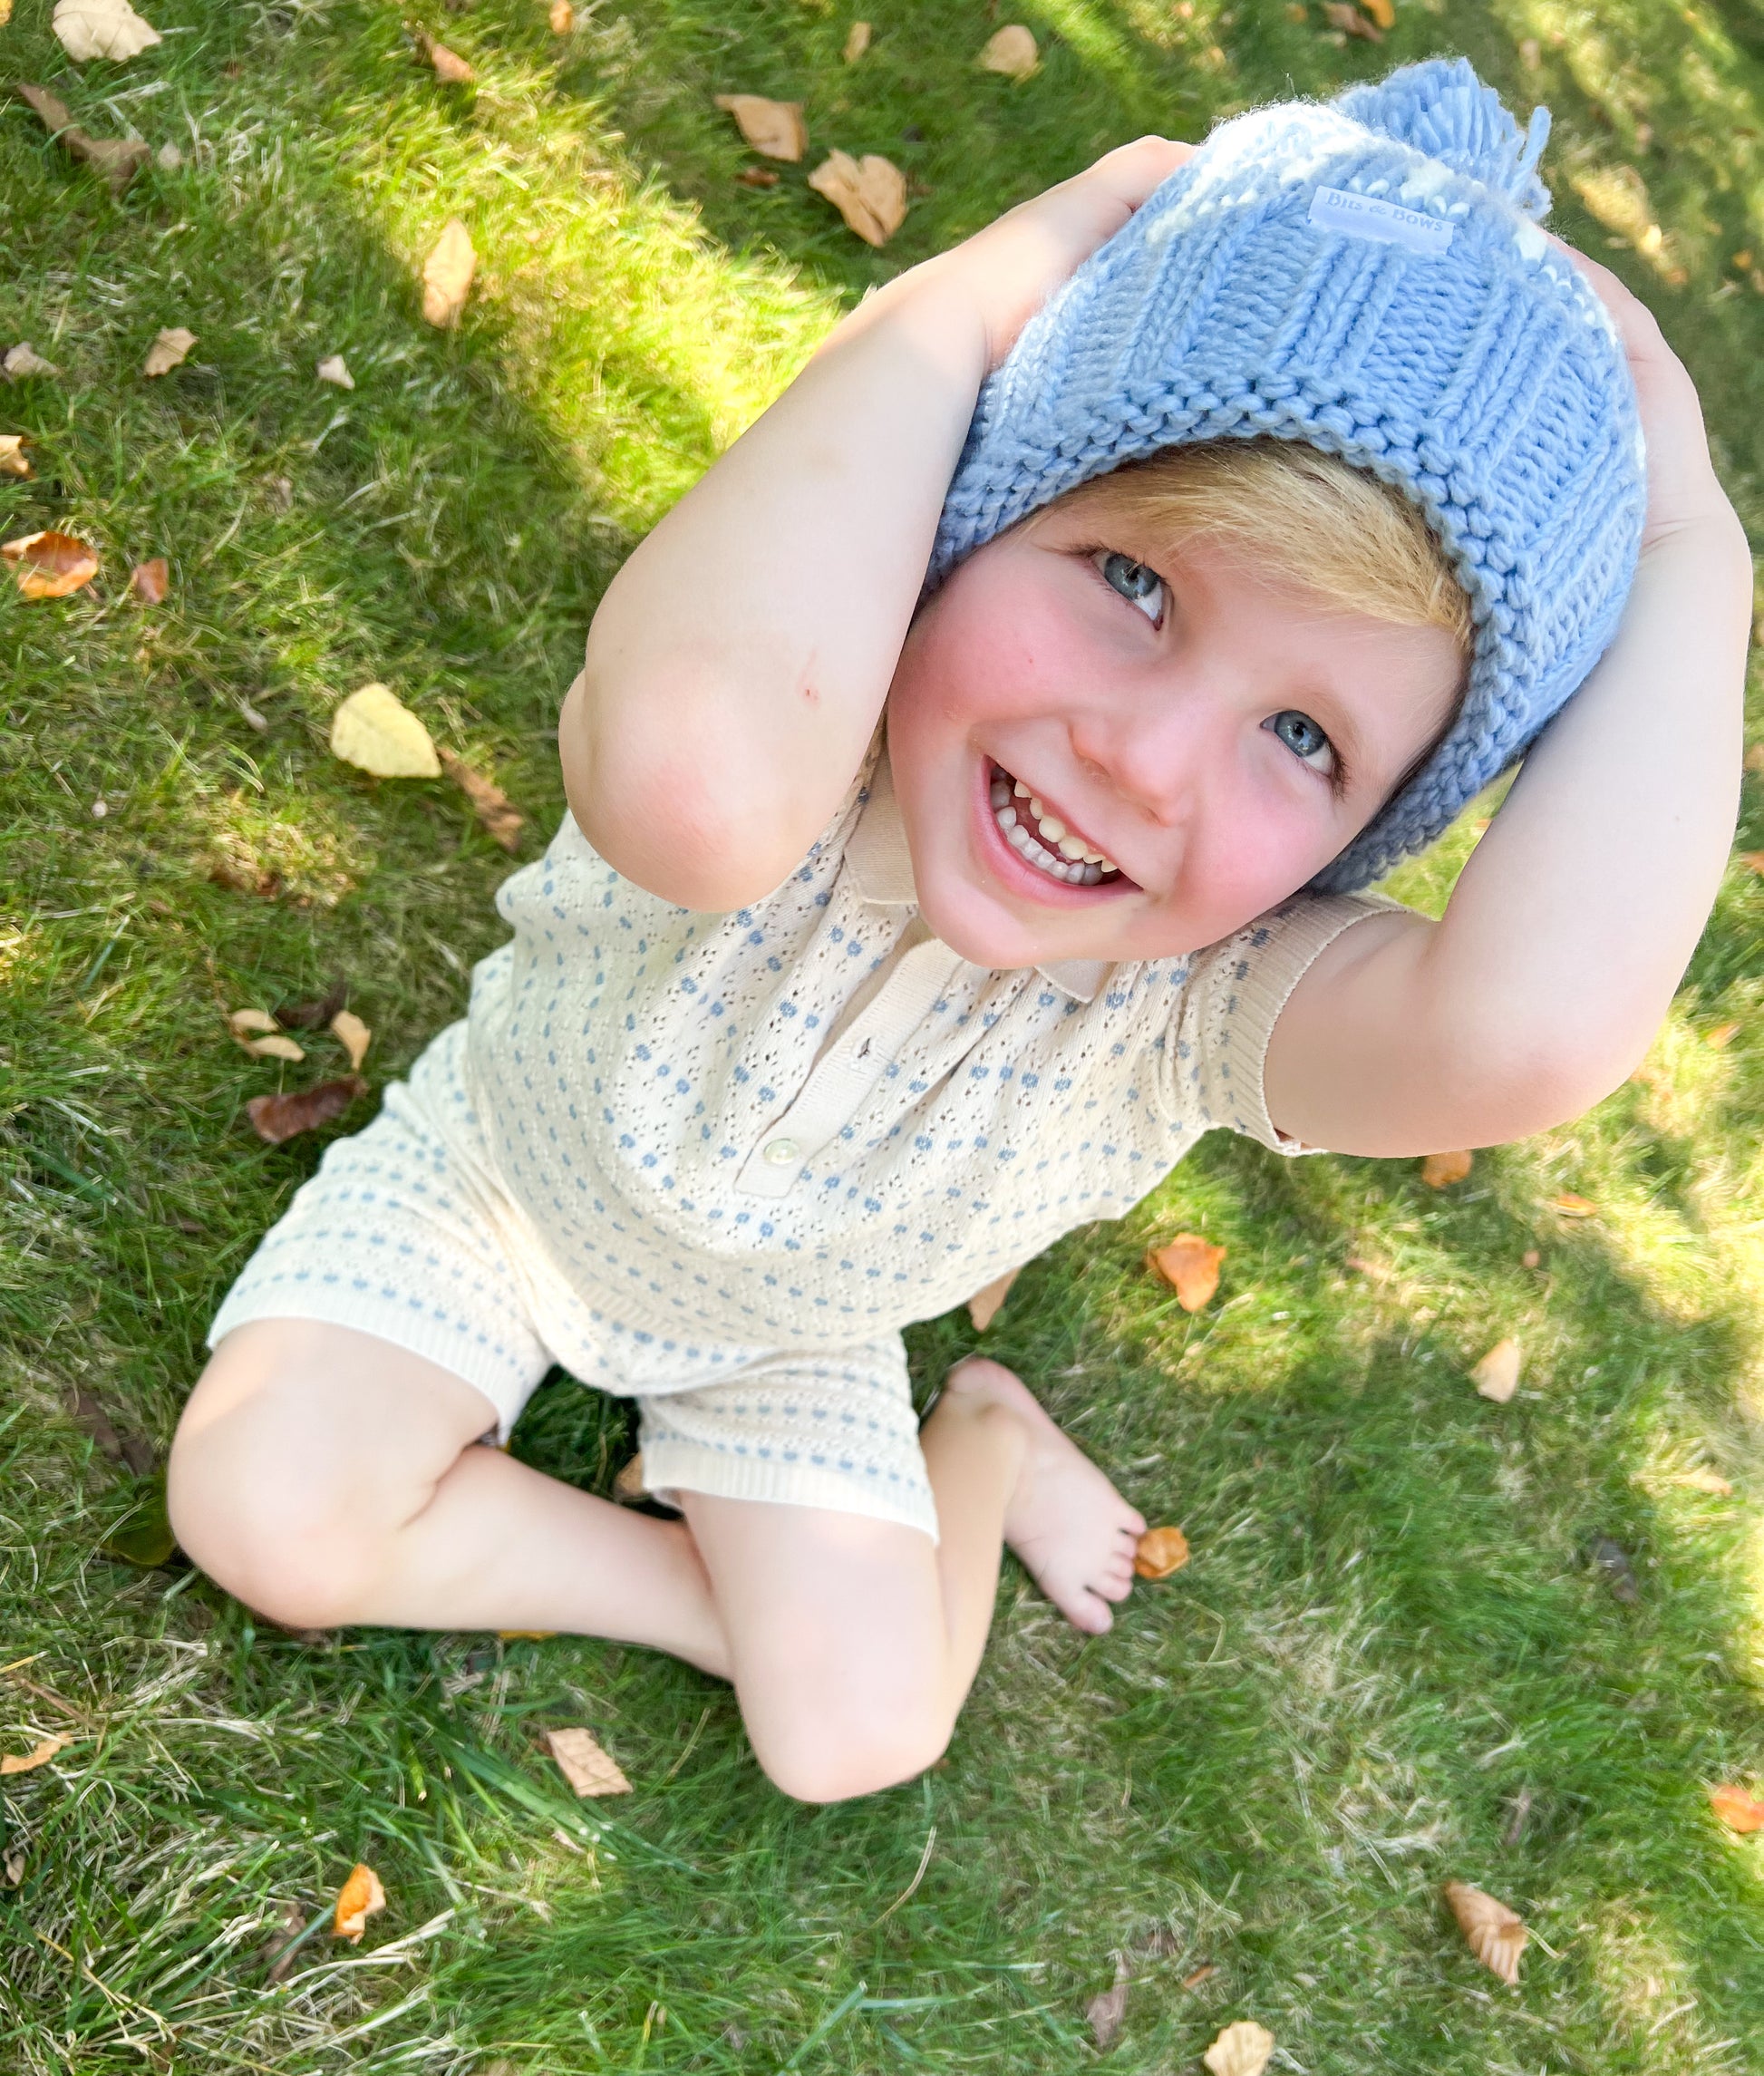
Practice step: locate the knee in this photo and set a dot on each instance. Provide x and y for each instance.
(822, 1761)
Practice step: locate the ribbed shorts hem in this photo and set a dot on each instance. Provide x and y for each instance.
(671, 1467)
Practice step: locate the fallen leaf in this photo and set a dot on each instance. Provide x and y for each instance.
(117, 160)
(756, 177)
(1721, 1036)
(1010, 50)
(119, 1445)
(357, 1900)
(13, 461)
(1738, 1810)
(1161, 1551)
(244, 1023)
(1243, 2049)
(352, 1035)
(253, 719)
(1613, 1561)
(1531, 1258)
(497, 816)
(169, 350)
(40, 1755)
(150, 580)
(447, 275)
(23, 359)
(985, 1305)
(50, 565)
(1568, 1206)
(562, 17)
(277, 1118)
(450, 67)
(857, 42)
(1197, 1977)
(1496, 1935)
(334, 369)
(143, 1536)
(1352, 21)
(628, 1488)
(1754, 756)
(774, 128)
(869, 193)
(1440, 1170)
(5, 12)
(12, 1866)
(376, 730)
(1700, 1480)
(525, 1635)
(1753, 860)
(1105, 2011)
(1496, 1375)
(169, 159)
(279, 1948)
(581, 1763)
(102, 29)
(1191, 1265)
(312, 1015)
(1381, 12)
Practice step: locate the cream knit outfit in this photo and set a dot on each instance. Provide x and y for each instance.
(717, 1162)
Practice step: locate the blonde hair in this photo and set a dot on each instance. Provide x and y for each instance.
(1299, 516)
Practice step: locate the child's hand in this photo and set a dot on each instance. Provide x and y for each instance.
(1016, 263)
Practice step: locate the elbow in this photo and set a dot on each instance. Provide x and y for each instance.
(1514, 1084)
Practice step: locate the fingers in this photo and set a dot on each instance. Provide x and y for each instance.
(1133, 172)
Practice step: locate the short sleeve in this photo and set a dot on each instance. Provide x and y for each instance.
(1235, 992)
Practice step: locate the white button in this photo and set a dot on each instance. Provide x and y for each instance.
(778, 1151)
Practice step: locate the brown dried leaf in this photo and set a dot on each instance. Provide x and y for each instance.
(1197, 1977)
(497, 816)
(756, 177)
(1352, 21)
(869, 193)
(23, 359)
(1105, 2012)
(374, 729)
(312, 1015)
(1381, 12)
(102, 29)
(1010, 50)
(581, 1763)
(116, 160)
(352, 1035)
(1496, 1375)
(447, 275)
(13, 461)
(1243, 2049)
(562, 17)
(985, 1306)
(357, 1900)
(39, 1755)
(1738, 1809)
(1440, 1171)
(279, 1948)
(277, 1118)
(628, 1487)
(1191, 1265)
(450, 67)
(50, 565)
(169, 350)
(857, 42)
(1755, 755)
(1495, 1935)
(150, 580)
(1161, 1551)
(773, 128)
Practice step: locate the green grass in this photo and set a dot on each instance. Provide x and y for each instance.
(1391, 1661)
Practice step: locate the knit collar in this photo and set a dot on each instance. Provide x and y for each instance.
(881, 869)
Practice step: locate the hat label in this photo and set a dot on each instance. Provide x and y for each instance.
(1366, 216)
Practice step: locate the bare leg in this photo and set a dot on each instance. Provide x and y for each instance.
(326, 1476)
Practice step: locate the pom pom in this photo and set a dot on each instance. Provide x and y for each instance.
(1441, 108)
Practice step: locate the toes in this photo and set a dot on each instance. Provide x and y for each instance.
(1114, 1587)
(1085, 1611)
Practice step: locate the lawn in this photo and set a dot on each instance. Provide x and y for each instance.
(1394, 1659)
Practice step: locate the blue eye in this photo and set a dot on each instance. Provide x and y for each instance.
(1135, 582)
(1302, 736)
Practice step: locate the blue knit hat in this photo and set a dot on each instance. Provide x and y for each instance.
(1367, 276)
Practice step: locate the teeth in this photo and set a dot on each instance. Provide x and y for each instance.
(1070, 847)
(1044, 842)
(1020, 791)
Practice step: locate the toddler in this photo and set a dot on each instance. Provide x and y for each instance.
(972, 784)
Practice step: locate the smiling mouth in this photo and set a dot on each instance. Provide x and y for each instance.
(1041, 838)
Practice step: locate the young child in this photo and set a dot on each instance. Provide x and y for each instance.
(1305, 484)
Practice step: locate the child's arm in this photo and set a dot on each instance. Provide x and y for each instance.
(738, 664)
(1575, 916)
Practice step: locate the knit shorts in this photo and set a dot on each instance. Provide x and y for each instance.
(405, 1233)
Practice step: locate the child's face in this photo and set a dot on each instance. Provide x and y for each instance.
(1216, 739)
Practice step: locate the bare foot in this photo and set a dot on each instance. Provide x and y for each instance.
(1072, 1530)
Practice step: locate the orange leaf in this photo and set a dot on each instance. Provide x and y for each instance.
(1496, 1375)
(1721, 1036)
(277, 1118)
(562, 17)
(1496, 1935)
(1351, 21)
(869, 193)
(357, 1900)
(40, 1755)
(985, 1305)
(774, 128)
(447, 275)
(1569, 1206)
(50, 565)
(450, 67)
(581, 1763)
(1438, 1171)
(1191, 1264)
(1160, 1552)
(1381, 12)
(150, 580)
(1738, 1810)
(497, 816)
(526, 1635)
(1753, 860)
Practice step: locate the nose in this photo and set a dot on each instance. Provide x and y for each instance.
(1155, 750)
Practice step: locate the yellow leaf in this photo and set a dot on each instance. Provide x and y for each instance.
(40, 1755)
(13, 461)
(376, 731)
(352, 1035)
(1569, 1206)
(5, 12)
(1191, 1265)
(1440, 1170)
(1496, 1375)
(774, 128)
(526, 1635)
(102, 29)
(581, 1763)
(1243, 2049)
(169, 350)
(562, 17)
(1721, 1036)
(357, 1900)
(985, 1305)
(856, 43)
(1161, 1551)
(1381, 12)
(1738, 1810)
(869, 193)
(334, 369)
(50, 565)
(1010, 50)
(447, 275)
(24, 360)
(1495, 1935)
